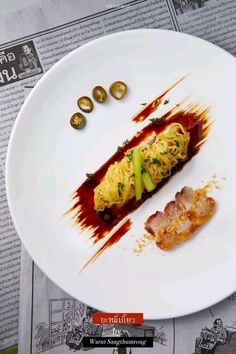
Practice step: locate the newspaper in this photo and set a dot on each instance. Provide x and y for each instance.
(31, 41)
(45, 325)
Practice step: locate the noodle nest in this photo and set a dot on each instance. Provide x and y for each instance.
(159, 157)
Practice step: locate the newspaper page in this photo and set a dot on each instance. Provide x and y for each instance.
(37, 38)
(50, 319)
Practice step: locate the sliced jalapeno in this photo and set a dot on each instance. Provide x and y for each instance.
(85, 104)
(99, 94)
(118, 90)
(77, 121)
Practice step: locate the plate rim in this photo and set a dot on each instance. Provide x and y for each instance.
(37, 260)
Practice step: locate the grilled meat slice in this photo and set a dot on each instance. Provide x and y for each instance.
(181, 217)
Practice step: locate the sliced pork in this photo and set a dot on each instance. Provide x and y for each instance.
(181, 217)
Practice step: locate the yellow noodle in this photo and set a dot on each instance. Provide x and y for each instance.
(159, 157)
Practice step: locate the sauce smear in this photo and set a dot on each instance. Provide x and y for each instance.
(194, 120)
(152, 106)
(111, 241)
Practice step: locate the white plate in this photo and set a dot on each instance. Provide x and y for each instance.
(47, 160)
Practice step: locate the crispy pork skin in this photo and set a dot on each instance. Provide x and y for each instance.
(181, 217)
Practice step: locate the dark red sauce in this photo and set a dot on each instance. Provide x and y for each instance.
(111, 241)
(101, 223)
(152, 106)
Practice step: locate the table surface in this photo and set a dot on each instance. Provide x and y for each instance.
(7, 6)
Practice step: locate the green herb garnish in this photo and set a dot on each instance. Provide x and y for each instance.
(176, 142)
(143, 104)
(155, 120)
(143, 170)
(166, 101)
(130, 156)
(123, 145)
(89, 175)
(120, 187)
(156, 162)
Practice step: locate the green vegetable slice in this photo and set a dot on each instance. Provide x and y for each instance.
(118, 90)
(77, 121)
(85, 104)
(99, 94)
(148, 183)
(137, 163)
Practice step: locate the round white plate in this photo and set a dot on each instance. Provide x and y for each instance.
(47, 160)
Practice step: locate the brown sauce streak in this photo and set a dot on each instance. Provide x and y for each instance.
(111, 241)
(100, 224)
(152, 106)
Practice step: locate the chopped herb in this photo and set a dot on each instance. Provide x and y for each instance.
(89, 175)
(143, 104)
(155, 120)
(156, 162)
(123, 145)
(125, 142)
(130, 156)
(120, 187)
(143, 170)
(146, 160)
(177, 143)
(166, 101)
